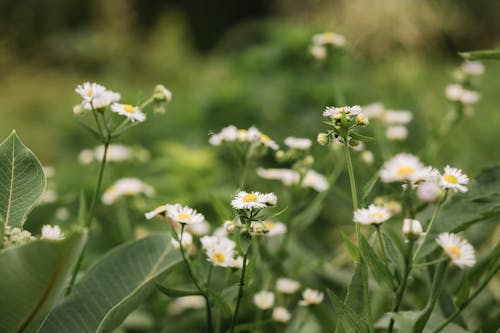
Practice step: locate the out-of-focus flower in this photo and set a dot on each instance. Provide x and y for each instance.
(275, 228)
(287, 286)
(367, 157)
(371, 215)
(181, 304)
(412, 228)
(332, 38)
(264, 300)
(311, 297)
(126, 187)
(131, 112)
(281, 315)
(398, 132)
(298, 143)
(51, 232)
(474, 68)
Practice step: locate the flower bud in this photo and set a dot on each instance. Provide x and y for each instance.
(323, 139)
(412, 229)
(429, 192)
(258, 228)
(78, 110)
(229, 226)
(162, 94)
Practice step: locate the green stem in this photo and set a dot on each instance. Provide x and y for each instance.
(437, 282)
(146, 102)
(433, 219)
(195, 281)
(402, 288)
(90, 216)
(99, 127)
(485, 282)
(382, 243)
(240, 290)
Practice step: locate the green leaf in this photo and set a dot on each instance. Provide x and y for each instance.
(367, 189)
(463, 291)
(221, 302)
(379, 269)
(481, 55)
(361, 137)
(355, 295)
(351, 321)
(82, 210)
(351, 247)
(177, 292)
(406, 322)
(22, 181)
(33, 276)
(114, 287)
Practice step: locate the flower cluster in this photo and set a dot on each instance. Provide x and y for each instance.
(462, 92)
(320, 41)
(394, 121)
(343, 121)
(115, 153)
(16, 236)
(126, 187)
(289, 177)
(251, 135)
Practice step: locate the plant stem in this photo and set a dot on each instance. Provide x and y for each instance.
(402, 288)
(433, 219)
(240, 290)
(90, 216)
(382, 243)
(485, 282)
(195, 281)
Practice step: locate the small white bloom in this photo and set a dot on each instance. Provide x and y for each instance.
(318, 52)
(329, 38)
(86, 156)
(51, 232)
(400, 168)
(155, 212)
(459, 250)
(49, 196)
(219, 250)
(187, 240)
(371, 215)
(474, 68)
(184, 214)
(311, 297)
(129, 111)
(469, 97)
(264, 300)
(298, 143)
(275, 228)
(281, 315)
(268, 142)
(96, 96)
(336, 112)
(199, 229)
(288, 177)
(126, 187)
(236, 263)
(412, 228)
(316, 181)
(367, 157)
(287, 286)
(62, 214)
(398, 132)
(181, 304)
(163, 93)
(89, 91)
(249, 200)
(229, 226)
(116, 153)
(398, 117)
(374, 111)
(453, 178)
(453, 92)
(429, 192)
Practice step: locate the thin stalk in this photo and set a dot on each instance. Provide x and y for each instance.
(433, 219)
(382, 243)
(485, 282)
(240, 291)
(91, 213)
(402, 288)
(437, 283)
(195, 281)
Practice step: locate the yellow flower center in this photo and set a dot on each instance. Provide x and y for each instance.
(218, 257)
(455, 251)
(450, 179)
(159, 208)
(250, 197)
(89, 93)
(129, 108)
(265, 138)
(269, 225)
(405, 170)
(183, 216)
(377, 215)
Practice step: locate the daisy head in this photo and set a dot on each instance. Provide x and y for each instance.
(184, 214)
(298, 143)
(51, 232)
(131, 112)
(219, 250)
(253, 200)
(401, 167)
(287, 286)
(412, 229)
(281, 314)
(458, 250)
(264, 300)
(160, 210)
(311, 297)
(454, 179)
(371, 215)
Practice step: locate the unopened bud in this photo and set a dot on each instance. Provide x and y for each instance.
(323, 139)
(412, 229)
(229, 226)
(78, 109)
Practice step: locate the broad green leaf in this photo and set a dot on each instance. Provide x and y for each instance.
(351, 247)
(406, 320)
(33, 275)
(354, 298)
(480, 203)
(177, 292)
(22, 181)
(481, 55)
(114, 286)
(379, 269)
(368, 187)
(351, 320)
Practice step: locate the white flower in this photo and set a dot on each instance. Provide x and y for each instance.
(429, 192)
(453, 178)
(371, 215)
(116, 153)
(367, 157)
(249, 200)
(329, 38)
(281, 315)
(219, 250)
(236, 263)
(62, 214)
(181, 304)
(336, 112)
(311, 296)
(229, 226)
(400, 168)
(398, 117)
(129, 111)
(264, 300)
(89, 91)
(199, 229)
(374, 111)
(268, 142)
(287, 286)
(474, 68)
(298, 143)
(48, 196)
(275, 228)
(412, 228)
(157, 211)
(227, 134)
(96, 96)
(126, 187)
(316, 181)
(318, 52)
(51, 232)
(287, 176)
(187, 240)
(469, 97)
(459, 250)
(86, 156)
(184, 214)
(398, 132)
(453, 92)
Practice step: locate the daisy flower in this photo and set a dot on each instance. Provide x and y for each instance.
(287, 176)
(160, 210)
(311, 297)
(51, 232)
(281, 315)
(129, 111)
(329, 38)
(371, 215)
(251, 200)
(274, 228)
(336, 112)
(401, 167)
(316, 181)
(459, 250)
(187, 240)
(398, 117)
(453, 178)
(412, 228)
(184, 214)
(264, 300)
(298, 143)
(474, 68)
(219, 251)
(96, 96)
(287, 286)
(126, 187)
(398, 132)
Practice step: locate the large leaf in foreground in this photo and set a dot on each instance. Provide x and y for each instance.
(22, 180)
(32, 277)
(114, 286)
